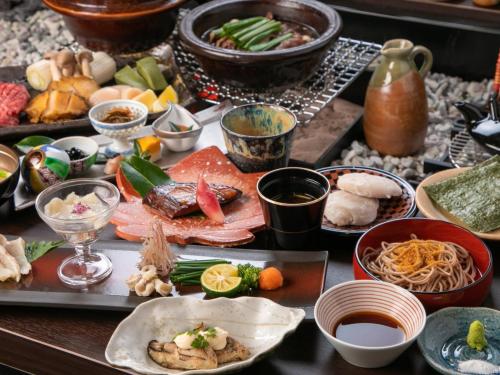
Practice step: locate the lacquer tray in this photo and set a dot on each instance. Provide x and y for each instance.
(304, 273)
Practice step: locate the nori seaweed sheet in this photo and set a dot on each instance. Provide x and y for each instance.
(473, 197)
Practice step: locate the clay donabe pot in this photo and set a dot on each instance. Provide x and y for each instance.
(118, 25)
(262, 70)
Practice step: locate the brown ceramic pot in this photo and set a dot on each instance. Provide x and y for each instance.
(275, 69)
(396, 114)
(118, 25)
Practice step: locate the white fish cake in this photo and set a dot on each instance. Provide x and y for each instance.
(344, 208)
(368, 185)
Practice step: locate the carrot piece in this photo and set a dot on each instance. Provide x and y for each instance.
(270, 278)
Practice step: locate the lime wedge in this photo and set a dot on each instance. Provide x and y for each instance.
(221, 280)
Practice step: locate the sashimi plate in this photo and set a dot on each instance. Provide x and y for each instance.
(389, 209)
(257, 323)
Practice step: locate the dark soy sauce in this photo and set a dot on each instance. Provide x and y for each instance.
(293, 190)
(369, 329)
(293, 198)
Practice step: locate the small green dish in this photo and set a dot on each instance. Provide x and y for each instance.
(443, 341)
(258, 136)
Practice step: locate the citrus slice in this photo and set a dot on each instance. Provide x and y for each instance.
(169, 95)
(221, 280)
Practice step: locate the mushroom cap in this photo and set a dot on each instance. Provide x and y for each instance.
(85, 54)
(65, 57)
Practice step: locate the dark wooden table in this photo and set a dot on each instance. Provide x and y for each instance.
(58, 341)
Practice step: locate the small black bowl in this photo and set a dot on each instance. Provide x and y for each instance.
(262, 70)
(10, 162)
(295, 223)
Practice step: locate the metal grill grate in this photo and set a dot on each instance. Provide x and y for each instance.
(465, 152)
(344, 62)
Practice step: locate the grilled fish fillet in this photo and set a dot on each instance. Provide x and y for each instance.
(234, 351)
(170, 356)
(179, 199)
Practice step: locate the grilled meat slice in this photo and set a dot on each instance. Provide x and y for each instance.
(234, 351)
(170, 356)
(179, 199)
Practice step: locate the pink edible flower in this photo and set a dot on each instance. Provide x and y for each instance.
(80, 208)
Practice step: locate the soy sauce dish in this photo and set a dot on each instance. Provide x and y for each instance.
(370, 323)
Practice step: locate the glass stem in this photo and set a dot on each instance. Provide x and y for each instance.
(83, 251)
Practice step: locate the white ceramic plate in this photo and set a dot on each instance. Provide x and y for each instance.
(258, 323)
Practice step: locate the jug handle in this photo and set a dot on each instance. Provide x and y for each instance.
(428, 59)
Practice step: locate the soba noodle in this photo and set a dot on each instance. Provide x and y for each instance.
(421, 265)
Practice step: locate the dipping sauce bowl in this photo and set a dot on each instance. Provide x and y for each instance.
(258, 136)
(293, 202)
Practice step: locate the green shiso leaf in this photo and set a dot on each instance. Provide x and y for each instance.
(37, 249)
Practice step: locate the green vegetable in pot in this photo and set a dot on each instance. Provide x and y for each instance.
(476, 338)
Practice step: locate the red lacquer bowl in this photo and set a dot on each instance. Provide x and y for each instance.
(400, 230)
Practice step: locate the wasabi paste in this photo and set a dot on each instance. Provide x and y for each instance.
(476, 338)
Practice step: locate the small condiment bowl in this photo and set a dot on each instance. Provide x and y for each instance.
(371, 297)
(9, 161)
(258, 136)
(443, 341)
(295, 225)
(173, 140)
(119, 132)
(401, 229)
(87, 145)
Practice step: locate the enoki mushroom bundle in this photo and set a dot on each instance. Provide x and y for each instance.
(421, 265)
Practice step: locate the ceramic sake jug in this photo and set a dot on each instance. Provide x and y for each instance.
(396, 115)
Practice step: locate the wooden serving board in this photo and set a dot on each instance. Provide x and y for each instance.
(304, 273)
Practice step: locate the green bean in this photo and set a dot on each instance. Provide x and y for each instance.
(261, 36)
(270, 44)
(231, 27)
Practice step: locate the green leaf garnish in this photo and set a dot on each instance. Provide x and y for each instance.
(140, 183)
(37, 249)
(199, 342)
(150, 171)
(25, 145)
(249, 277)
(210, 332)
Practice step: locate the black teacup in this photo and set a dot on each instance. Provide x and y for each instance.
(293, 201)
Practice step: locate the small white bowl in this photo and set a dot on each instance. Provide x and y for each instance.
(87, 145)
(177, 141)
(369, 296)
(121, 131)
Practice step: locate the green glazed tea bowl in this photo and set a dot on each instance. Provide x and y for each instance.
(258, 136)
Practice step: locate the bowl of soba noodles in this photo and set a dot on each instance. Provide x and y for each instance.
(441, 263)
